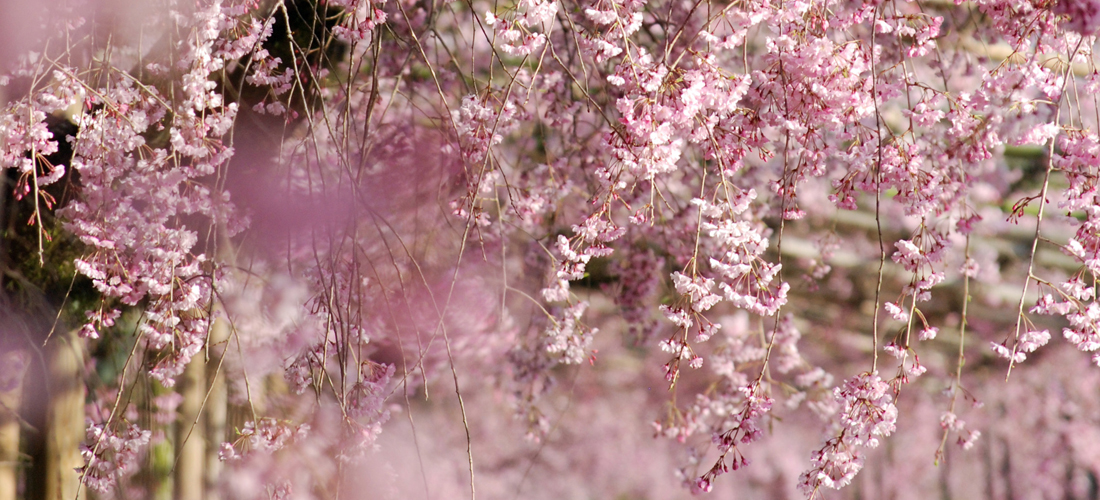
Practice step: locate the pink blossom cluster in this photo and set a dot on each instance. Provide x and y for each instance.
(111, 454)
(360, 19)
(432, 201)
(867, 413)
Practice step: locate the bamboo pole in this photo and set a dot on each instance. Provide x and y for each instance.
(190, 433)
(217, 407)
(65, 420)
(13, 366)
